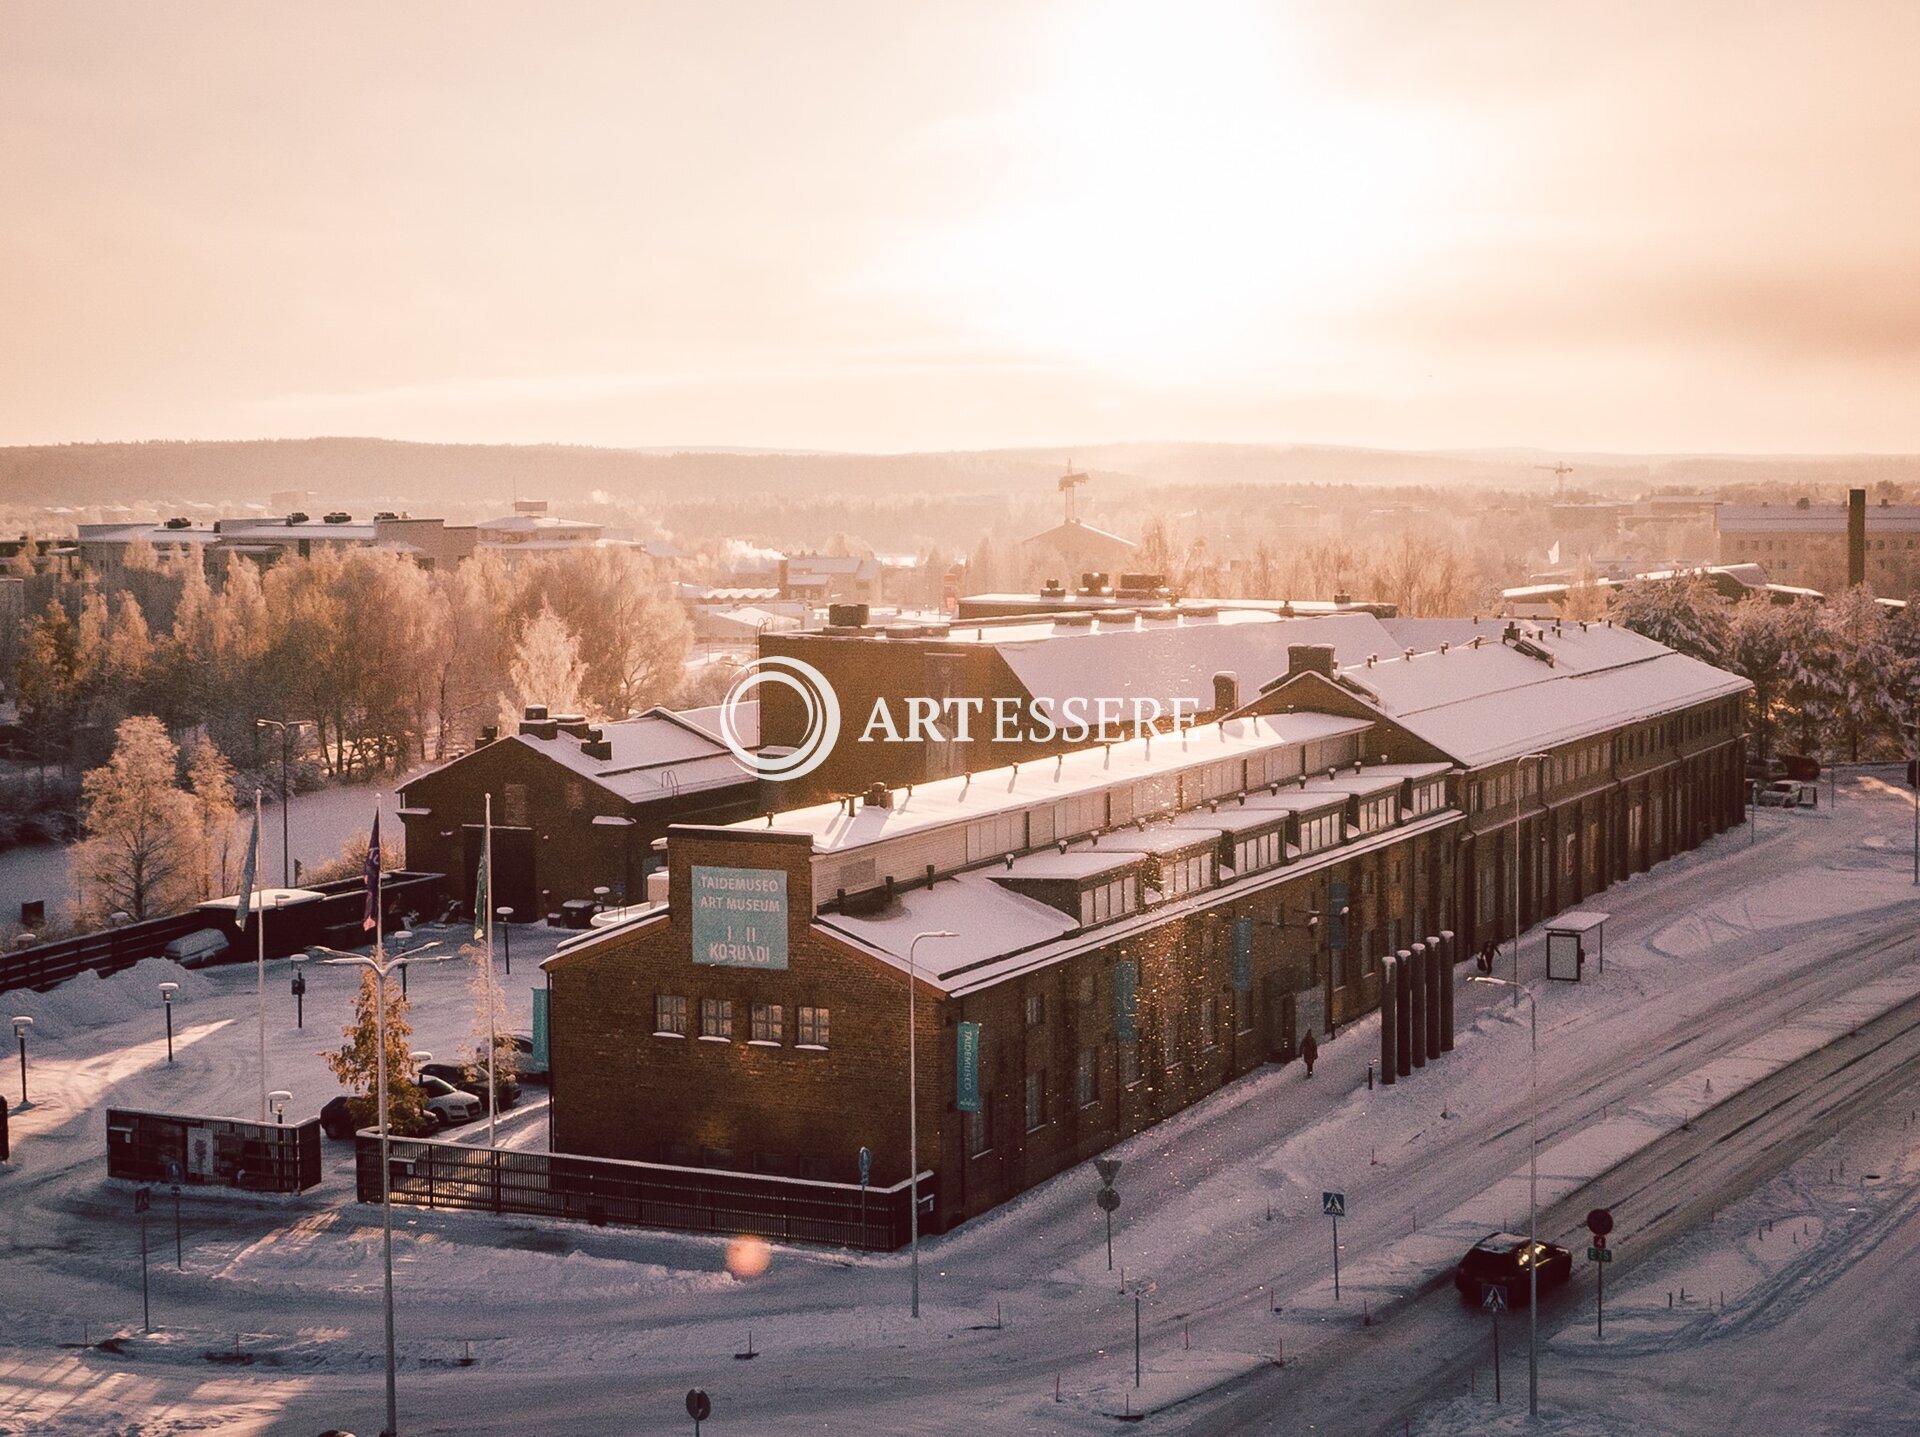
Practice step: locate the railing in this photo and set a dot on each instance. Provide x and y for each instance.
(47, 965)
(428, 1173)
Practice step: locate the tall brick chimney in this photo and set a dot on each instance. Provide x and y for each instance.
(1856, 537)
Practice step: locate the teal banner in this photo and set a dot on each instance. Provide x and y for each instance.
(966, 1067)
(1243, 955)
(540, 1060)
(739, 917)
(1126, 980)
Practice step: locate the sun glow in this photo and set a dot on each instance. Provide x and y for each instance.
(1179, 196)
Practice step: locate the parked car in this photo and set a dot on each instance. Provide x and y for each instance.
(198, 949)
(448, 1105)
(1502, 1259)
(530, 1069)
(1789, 793)
(472, 1078)
(336, 1118)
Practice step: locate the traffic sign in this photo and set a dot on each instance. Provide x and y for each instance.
(1108, 1168)
(1333, 1204)
(699, 1407)
(1108, 1199)
(1493, 1297)
(142, 1199)
(1600, 1222)
(1599, 1239)
(866, 1165)
(1600, 1254)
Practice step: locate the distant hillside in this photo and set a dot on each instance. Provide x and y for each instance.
(362, 473)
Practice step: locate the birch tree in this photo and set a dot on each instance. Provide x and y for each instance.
(142, 849)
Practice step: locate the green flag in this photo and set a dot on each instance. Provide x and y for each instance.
(482, 894)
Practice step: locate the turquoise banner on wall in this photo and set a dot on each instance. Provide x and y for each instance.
(739, 917)
(540, 1059)
(966, 1066)
(1126, 981)
(1243, 955)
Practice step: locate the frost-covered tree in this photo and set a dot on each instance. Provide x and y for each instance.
(210, 781)
(1685, 614)
(1871, 676)
(547, 668)
(141, 855)
(1756, 649)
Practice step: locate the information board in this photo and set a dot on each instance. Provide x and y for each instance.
(739, 917)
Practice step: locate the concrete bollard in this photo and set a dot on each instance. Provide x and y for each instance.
(1389, 1022)
(1417, 1006)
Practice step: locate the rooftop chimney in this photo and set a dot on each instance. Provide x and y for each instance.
(1856, 537)
(1226, 692)
(1310, 659)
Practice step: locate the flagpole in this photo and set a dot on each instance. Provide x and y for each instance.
(260, 970)
(492, 1039)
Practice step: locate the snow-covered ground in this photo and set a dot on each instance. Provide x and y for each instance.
(273, 1322)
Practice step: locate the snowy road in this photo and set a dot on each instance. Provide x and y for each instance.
(1220, 1213)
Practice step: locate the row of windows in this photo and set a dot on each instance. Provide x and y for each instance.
(1113, 899)
(766, 1022)
(1429, 797)
(1379, 813)
(1320, 832)
(1252, 854)
(1185, 875)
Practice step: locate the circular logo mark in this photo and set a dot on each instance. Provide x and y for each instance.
(818, 702)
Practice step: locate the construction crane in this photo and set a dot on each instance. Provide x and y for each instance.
(1070, 481)
(1560, 473)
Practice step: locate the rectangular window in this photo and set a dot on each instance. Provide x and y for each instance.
(1086, 1080)
(1209, 1022)
(769, 1024)
(1036, 1010)
(980, 1130)
(513, 811)
(813, 1027)
(716, 1018)
(669, 1014)
(1036, 1101)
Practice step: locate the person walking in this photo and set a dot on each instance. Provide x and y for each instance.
(1309, 1050)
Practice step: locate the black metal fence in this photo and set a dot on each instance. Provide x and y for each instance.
(47, 965)
(426, 1173)
(213, 1152)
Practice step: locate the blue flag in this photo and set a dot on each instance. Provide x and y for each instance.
(245, 905)
(373, 875)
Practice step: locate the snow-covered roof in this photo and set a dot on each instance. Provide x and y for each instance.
(1168, 660)
(1814, 519)
(1007, 790)
(1072, 534)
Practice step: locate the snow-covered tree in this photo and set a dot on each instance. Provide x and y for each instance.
(1685, 614)
(1756, 649)
(210, 781)
(1873, 679)
(142, 849)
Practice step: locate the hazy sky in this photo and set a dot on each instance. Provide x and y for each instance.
(1621, 225)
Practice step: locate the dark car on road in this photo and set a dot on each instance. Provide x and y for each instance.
(1502, 1259)
(472, 1078)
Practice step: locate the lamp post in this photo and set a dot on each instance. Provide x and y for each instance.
(279, 1098)
(167, 990)
(913, 1112)
(1533, 1208)
(20, 1026)
(286, 727)
(1525, 757)
(505, 915)
(381, 965)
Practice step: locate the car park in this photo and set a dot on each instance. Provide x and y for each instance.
(1503, 1260)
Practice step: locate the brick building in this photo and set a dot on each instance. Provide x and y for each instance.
(1808, 544)
(1137, 924)
(576, 806)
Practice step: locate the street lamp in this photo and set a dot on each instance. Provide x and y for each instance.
(20, 1026)
(167, 990)
(505, 915)
(280, 1097)
(1533, 1176)
(913, 1113)
(1525, 757)
(286, 727)
(380, 966)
